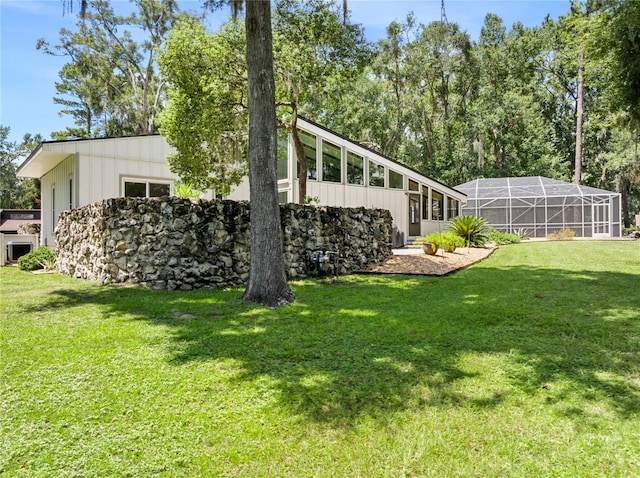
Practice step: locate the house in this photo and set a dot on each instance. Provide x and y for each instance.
(16, 239)
(540, 206)
(341, 172)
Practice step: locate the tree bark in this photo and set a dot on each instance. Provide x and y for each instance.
(267, 277)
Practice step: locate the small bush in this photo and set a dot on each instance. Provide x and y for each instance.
(37, 259)
(445, 240)
(565, 234)
(433, 238)
(470, 228)
(186, 190)
(450, 241)
(502, 238)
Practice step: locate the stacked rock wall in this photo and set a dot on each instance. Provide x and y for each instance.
(173, 243)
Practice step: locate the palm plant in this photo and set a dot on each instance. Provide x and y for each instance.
(471, 228)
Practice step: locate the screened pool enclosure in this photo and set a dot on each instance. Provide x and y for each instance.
(542, 206)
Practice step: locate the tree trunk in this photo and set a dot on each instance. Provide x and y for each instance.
(579, 118)
(267, 277)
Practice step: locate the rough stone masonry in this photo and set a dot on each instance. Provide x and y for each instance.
(174, 243)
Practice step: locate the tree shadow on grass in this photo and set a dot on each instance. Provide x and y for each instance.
(374, 345)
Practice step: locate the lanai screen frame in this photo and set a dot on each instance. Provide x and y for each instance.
(541, 206)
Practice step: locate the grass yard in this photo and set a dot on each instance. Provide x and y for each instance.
(524, 365)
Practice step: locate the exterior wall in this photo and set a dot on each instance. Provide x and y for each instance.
(173, 243)
(343, 194)
(103, 164)
(57, 196)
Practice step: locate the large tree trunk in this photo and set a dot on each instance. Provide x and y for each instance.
(267, 277)
(579, 119)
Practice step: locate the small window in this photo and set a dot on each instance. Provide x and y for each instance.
(376, 174)
(436, 206)
(309, 144)
(142, 189)
(283, 154)
(396, 180)
(331, 163)
(132, 189)
(355, 169)
(413, 186)
(283, 197)
(157, 190)
(21, 216)
(425, 203)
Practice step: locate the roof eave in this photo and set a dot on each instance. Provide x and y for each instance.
(40, 162)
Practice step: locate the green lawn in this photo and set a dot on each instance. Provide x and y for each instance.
(527, 364)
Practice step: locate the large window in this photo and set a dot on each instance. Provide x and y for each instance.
(355, 169)
(376, 174)
(331, 163)
(309, 144)
(396, 180)
(436, 206)
(283, 154)
(143, 188)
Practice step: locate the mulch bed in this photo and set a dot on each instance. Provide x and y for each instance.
(443, 263)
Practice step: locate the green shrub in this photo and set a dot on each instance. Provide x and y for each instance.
(450, 241)
(434, 238)
(37, 259)
(445, 240)
(186, 190)
(502, 237)
(471, 228)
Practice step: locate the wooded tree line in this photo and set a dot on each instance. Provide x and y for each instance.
(561, 99)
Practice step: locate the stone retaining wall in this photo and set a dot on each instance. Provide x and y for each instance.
(173, 243)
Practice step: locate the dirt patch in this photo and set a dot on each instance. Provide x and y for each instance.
(416, 262)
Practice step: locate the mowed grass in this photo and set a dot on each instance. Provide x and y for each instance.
(527, 364)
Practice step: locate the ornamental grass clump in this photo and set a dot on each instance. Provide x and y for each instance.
(470, 228)
(565, 234)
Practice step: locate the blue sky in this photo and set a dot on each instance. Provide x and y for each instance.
(28, 76)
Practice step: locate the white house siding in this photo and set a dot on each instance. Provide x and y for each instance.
(104, 164)
(57, 179)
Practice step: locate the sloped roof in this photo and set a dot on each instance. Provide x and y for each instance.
(526, 187)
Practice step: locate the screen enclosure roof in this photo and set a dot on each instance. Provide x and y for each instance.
(526, 187)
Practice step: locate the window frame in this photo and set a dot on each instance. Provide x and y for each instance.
(301, 134)
(391, 171)
(338, 148)
(147, 182)
(372, 166)
(350, 167)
